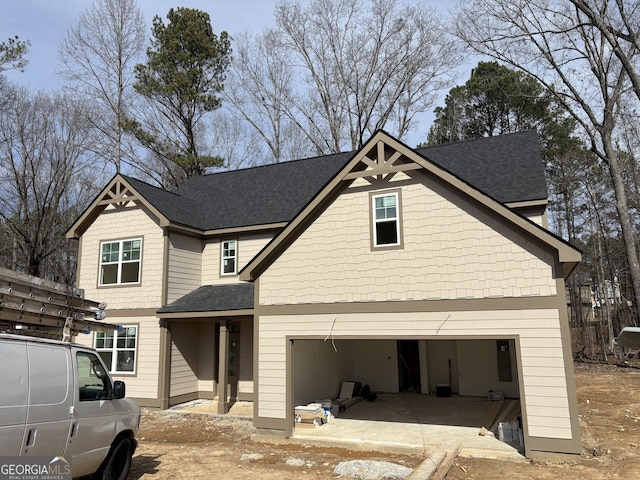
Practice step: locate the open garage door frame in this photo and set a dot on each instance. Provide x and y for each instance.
(472, 363)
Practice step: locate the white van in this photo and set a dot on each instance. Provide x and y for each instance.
(57, 399)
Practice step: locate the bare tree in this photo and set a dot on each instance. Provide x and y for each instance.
(259, 87)
(338, 70)
(97, 58)
(558, 45)
(44, 142)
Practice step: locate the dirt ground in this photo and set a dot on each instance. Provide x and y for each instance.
(178, 446)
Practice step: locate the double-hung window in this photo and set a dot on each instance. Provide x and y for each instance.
(120, 262)
(118, 349)
(229, 257)
(385, 210)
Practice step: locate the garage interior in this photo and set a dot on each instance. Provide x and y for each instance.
(428, 392)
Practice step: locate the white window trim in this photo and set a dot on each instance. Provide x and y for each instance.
(120, 262)
(223, 258)
(114, 351)
(376, 221)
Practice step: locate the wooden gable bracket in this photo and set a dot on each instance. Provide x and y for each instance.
(382, 165)
(119, 196)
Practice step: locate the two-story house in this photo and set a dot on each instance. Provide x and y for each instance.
(229, 287)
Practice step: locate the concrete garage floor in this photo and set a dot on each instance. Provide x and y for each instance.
(413, 423)
(405, 423)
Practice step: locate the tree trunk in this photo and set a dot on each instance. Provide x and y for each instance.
(628, 234)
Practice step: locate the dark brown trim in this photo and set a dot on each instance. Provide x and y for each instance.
(132, 312)
(539, 445)
(120, 285)
(220, 259)
(246, 397)
(372, 221)
(289, 400)
(223, 369)
(270, 423)
(149, 402)
(165, 266)
(509, 303)
(185, 397)
(206, 394)
(203, 315)
(164, 365)
(79, 264)
(249, 229)
(256, 346)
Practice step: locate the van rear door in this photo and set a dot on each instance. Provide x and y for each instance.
(14, 393)
(50, 400)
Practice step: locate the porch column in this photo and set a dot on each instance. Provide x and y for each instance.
(164, 374)
(223, 370)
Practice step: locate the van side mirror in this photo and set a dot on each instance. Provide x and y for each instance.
(118, 389)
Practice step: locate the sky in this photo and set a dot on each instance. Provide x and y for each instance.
(45, 23)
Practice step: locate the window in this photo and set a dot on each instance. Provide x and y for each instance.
(386, 220)
(118, 349)
(229, 257)
(93, 381)
(120, 262)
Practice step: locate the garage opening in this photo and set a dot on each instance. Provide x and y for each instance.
(407, 376)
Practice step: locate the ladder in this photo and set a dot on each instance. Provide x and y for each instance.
(37, 307)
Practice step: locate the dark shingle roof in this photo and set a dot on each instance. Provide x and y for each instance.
(260, 195)
(214, 298)
(508, 168)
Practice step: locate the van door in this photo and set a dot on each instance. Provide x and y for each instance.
(93, 427)
(14, 393)
(50, 400)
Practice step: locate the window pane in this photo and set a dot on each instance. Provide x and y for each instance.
(126, 361)
(386, 233)
(109, 274)
(229, 265)
(130, 272)
(110, 252)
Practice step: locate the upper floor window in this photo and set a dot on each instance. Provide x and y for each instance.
(120, 262)
(386, 219)
(229, 257)
(118, 349)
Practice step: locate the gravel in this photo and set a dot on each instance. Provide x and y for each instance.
(371, 470)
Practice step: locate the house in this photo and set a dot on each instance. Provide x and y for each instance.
(398, 267)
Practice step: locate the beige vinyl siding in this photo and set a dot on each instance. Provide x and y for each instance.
(452, 250)
(131, 222)
(185, 266)
(248, 246)
(184, 359)
(144, 384)
(544, 387)
(207, 352)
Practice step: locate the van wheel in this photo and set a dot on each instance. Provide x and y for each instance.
(118, 463)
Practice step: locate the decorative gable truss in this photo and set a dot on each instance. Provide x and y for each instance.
(380, 164)
(118, 195)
